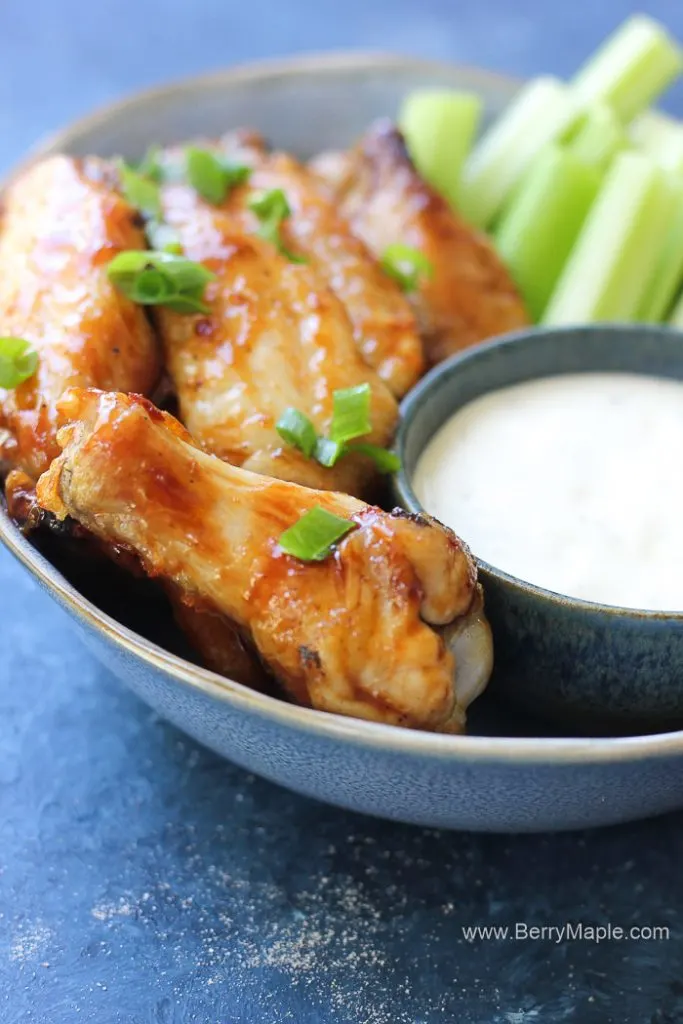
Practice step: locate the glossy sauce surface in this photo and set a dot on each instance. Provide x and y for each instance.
(572, 483)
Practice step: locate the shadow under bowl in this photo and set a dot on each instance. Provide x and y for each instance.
(590, 666)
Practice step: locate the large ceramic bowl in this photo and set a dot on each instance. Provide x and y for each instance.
(588, 665)
(486, 782)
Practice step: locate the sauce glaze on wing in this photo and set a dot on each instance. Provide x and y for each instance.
(470, 296)
(359, 633)
(276, 336)
(61, 226)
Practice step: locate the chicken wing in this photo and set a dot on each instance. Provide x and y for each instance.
(359, 633)
(470, 295)
(61, 225)
(385, 329)
(276, 337)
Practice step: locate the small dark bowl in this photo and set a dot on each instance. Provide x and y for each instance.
(591, 666)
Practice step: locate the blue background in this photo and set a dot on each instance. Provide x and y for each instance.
(142, 880)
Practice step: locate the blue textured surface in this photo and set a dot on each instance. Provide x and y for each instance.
(142, 880)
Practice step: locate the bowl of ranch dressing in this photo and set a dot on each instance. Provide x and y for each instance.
(557, 456)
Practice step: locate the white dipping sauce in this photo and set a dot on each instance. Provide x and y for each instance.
(573, 483)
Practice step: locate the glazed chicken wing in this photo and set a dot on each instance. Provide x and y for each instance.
(385, 329)
(359, 633)
(61, 225)
(470, 295)
(276, 336)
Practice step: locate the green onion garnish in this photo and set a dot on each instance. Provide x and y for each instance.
(386, 461)
(406, 265)
(272, 209)
(312, 538)
(327, 452)
(18, 362)
(140, 191)
(350, 413)
(150, 165)
(210, 176)
(350, 419)
(296, 429)
(163, 237)
(161, 279)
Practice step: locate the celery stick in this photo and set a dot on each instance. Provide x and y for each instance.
(661, 137)
(632, 67)
(439, 129)
(607, 271)
(676, 318)
(538, 229)
(667, 272)
(541, 112)
(598, 137)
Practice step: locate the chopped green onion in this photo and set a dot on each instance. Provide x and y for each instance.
(328, 453)
(439, 127)
(210, 176)
(205, 174)
(161, 279)
(543, 111)
(150, 165)
(385, 461)
(271, 209)
(406, 265)
(350, 413)
(139, 191)
(296, 429)
(609, 267)
(18, 362)
(312, 538)
(631, 68)
(538, 229)
(163, 236)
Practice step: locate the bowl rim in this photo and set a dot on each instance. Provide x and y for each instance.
(552, 751)
(421, 392)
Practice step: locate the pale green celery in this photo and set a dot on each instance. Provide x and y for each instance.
(631, 68)
(439, 127)
(541, 113)
(607, 272)
(538, 229)
(661, 137)
(676, 318)
(667, 272)
(599, 136)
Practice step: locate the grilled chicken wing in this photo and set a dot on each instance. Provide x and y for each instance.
(470, 295)
(276, 336)
(61, 225)
(353, 634)
(385, 329)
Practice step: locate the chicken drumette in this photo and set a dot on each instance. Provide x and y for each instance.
(360, 633)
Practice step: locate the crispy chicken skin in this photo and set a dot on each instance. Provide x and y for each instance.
(385, 329)
(276, 336)
(470, 296)
(61, 225)
(355, 634)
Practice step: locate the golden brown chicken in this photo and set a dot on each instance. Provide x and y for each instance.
(359, 633)
(385, 329)
(61, 226)
(470, 295)
(276, 337)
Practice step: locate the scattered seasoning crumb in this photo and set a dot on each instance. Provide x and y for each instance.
(30, 942)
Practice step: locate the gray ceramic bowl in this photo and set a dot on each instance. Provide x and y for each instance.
(498, 780)
(590, 666)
